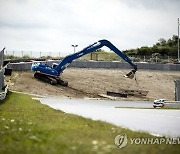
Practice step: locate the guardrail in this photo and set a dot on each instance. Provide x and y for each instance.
(4, 93)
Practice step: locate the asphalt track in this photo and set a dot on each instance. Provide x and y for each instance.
(138, 116)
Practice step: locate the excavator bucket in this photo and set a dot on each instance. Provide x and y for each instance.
(131, 74)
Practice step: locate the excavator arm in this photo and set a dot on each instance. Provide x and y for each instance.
(67, 60)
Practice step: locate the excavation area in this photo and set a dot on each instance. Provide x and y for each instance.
(94, 83)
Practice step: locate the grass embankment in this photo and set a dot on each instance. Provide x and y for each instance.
(26, 126)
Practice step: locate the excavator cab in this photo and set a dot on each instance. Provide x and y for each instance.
(131, 74)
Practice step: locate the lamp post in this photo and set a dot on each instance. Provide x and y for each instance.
(178, 41)
(74, 46)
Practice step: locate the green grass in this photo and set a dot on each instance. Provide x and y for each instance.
(26, 126)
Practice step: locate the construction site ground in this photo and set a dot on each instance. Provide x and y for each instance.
(92, 83)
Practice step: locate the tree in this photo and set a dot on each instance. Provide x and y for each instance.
(144, 51)
(162, 47)
(162, 41)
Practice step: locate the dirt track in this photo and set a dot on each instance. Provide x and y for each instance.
(92, 82)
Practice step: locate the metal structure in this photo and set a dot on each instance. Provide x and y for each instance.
(177, 90)
(178, 41)
(74, 46)
(1, 69)
(3, 88)
(51, 74)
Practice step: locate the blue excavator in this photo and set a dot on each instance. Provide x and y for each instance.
(52, 74)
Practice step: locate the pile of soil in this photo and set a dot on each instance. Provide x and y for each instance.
(92, 82)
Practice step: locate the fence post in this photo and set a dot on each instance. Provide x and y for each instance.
(96, 56)
(1, 70)
(91, 56)
(168, 59)
(2, 58)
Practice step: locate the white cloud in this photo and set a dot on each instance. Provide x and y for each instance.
(52, 25)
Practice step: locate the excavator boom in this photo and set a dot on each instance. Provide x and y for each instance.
(67, 60)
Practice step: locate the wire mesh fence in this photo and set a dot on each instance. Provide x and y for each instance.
(135, 58)
(31, 54)
(96, 56)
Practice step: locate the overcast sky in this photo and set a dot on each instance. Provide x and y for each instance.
(54, 25)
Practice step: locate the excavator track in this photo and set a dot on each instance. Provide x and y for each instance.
(50, 80)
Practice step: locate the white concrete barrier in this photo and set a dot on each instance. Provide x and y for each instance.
(103, 64)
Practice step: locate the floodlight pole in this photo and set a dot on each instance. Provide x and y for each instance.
(74, 46)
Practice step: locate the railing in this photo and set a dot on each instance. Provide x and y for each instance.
(31, 54)
(3, 88)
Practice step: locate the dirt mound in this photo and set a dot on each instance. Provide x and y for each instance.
(92, 82)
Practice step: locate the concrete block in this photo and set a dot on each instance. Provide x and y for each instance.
(103, 64)
(100, 64)
(73, 64)
(152, 66)
(177, 90)
(113, 64)
(160, 66)
(140, 65)
(16, 67)
(95, 64)
(22, 66)
(106, 64)
(1, 79)
(146, 66)
(177, 67)
(126, 65)
(29, 66)
(119, 65)
(172, 67)
(166, 67)
(79, 64)
(88, 64)
(84, 64)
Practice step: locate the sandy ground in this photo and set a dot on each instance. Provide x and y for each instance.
(92, 82)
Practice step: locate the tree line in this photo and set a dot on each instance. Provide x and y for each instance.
(162, 47)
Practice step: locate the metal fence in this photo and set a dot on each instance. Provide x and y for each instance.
(97, 56)
(136, 58)
(31, 54)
